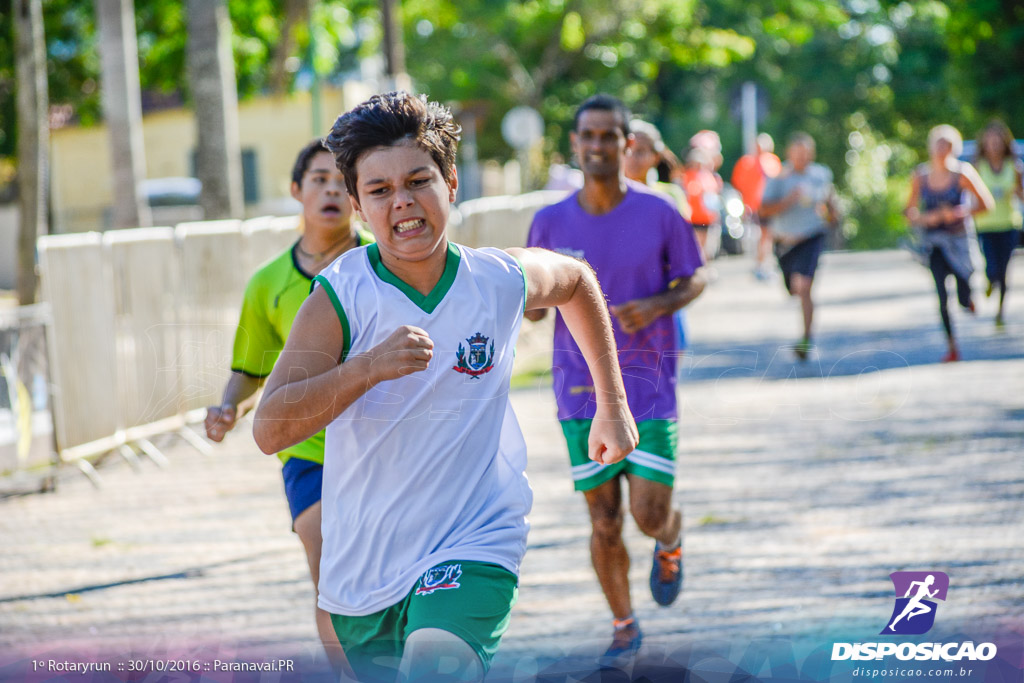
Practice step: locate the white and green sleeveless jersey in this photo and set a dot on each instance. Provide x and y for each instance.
(430, 467)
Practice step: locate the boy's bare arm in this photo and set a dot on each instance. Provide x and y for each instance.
(310, 386)
(570, 285)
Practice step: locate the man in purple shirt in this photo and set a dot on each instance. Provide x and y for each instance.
(648, 262)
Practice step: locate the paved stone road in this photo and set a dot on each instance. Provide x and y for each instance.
(804, 486)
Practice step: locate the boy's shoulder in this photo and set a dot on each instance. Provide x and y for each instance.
(273, 270)
(358, 262)
(494, 266)
(354, 256)
(487, 257)
(347, 265)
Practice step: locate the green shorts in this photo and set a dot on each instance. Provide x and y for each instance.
(653, 459)
(472, 600)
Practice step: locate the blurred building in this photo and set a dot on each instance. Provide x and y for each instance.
(271, 129)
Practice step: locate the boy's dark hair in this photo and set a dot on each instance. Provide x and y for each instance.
(604, 102)
(384, 120)
(302, 161)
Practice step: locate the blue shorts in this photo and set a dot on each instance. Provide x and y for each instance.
(303, 481)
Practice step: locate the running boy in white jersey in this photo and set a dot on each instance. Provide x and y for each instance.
(404, 351)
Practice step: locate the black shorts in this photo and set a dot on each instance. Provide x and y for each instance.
(801, 257)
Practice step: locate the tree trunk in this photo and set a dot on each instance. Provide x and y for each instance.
(33, 140)
(212, 78)
(296, 13)
(122, 109)
(394, 46)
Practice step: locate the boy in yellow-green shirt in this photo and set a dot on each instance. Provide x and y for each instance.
(272, 298)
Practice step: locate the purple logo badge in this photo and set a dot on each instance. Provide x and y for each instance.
(914, 612)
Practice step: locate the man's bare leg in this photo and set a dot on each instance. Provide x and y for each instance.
(650, 503)
(607, 549)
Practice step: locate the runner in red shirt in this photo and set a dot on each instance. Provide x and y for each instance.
(749, 176)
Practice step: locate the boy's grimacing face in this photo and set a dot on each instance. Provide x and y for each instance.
(404, 198)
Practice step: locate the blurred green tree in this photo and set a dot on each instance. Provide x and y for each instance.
(552, 54)
(885, 69)
(261, 30)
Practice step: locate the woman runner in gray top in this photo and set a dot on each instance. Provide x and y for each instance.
(937, 206)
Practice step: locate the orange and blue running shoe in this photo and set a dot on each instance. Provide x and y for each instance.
(667, 574)
(626, 639)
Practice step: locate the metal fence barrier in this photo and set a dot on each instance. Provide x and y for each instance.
(501, 221)
(26, 423)
(142, 326)
(145, 282)
(214, 270)
(77, 283)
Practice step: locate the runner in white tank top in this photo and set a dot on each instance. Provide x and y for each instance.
(446, 435)
(404, 354)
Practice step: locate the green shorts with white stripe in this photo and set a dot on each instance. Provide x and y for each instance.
(653, 459)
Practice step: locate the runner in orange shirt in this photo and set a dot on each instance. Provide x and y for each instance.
(700, 183)
(749, 176)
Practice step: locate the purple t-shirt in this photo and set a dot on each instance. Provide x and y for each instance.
(636, 249)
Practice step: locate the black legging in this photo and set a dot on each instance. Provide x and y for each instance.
(940, 271)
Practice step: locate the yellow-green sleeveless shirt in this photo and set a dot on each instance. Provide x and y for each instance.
(271, 301)
(1006, 214)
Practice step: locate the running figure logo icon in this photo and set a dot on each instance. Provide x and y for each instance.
(914, 612)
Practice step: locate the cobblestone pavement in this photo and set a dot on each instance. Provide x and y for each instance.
(803, 484)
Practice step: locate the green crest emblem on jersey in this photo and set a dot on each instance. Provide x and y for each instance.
(479, 360)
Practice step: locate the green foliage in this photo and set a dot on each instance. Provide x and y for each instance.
(552, 54)
(866, 78)
(985, 39)
(74, 61)
(874, 198)
(878, 222)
